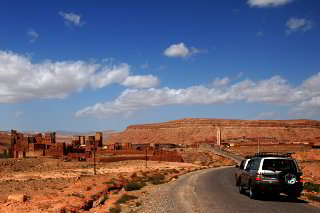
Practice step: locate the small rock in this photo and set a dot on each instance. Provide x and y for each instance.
(17, 197)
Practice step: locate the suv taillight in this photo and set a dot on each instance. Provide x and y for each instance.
(301, 179)
(258, 177)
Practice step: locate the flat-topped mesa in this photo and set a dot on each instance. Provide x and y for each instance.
(229, 123)
(192, 130)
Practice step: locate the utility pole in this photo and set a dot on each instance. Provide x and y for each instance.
(94, 158)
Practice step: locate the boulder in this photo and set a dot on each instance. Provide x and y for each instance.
(17, 197)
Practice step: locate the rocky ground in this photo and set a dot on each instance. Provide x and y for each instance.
(53, 185)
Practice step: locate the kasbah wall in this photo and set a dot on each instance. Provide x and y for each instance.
(191, 131)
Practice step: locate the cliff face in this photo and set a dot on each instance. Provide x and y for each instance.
(188, 131)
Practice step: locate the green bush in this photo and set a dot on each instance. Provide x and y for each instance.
(311, 187)
(95, 197)
(125, 198)
(105, 198)
(110, 182)
(157, 179)
(117, 209)
(134, 185)
(314, 198)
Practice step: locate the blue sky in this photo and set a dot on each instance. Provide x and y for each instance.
(97, 65)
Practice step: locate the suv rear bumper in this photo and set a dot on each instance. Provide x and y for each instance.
(273, 186)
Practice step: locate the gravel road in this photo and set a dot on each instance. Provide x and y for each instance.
(213, 190)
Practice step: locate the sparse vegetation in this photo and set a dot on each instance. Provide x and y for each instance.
(125, 198)
(105, 198)
(134, 185)
(157, 179)
(138, 204)
(95, 197)
(75, 194)
(312, 187)
(116, 209)
(313, 197)
(110, 182)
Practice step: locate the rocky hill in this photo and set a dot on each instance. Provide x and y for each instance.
(192, 130)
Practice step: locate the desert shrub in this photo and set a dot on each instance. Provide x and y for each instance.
(104, 199)
(133, 175)
(138, 204)
(312, 187)
(115, 192)
(124, 198)
(75, 194)
(175, 171)
(314, 198)
(134, 185)
(110, 182)
(89, 188)
(157, 179)
(5, 155)
(95, 197)
(116, 209)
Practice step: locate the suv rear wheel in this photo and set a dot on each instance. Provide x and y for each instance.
(241, 189)
(253, 194)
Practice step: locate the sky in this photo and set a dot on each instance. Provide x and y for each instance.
(100, 65)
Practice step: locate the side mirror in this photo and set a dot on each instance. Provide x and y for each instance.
(237, 166)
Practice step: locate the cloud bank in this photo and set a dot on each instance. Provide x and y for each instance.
(274, 90)
(22, 80)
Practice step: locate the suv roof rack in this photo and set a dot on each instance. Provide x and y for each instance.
(273, 154)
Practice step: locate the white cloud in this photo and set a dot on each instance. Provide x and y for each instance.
(268, 3)
(177, 50)
(109, 75)
(240, 74)
(266, 115)
(32, 35)
(182, 51)
(259, 33)
(296, 25)
(310, 107)
(303, 99)
(71, 19)
(138, 81)
(145, 65)
(274, 90)
(217, 82)
(22, 80)
(18, 113)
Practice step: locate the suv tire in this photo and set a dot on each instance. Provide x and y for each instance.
(241, 189)
(253, 194)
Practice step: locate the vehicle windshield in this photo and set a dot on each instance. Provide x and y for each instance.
(278, 164)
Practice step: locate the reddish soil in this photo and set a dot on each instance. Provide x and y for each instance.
(53, 185)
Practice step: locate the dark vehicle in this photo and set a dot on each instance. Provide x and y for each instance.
(270, 173)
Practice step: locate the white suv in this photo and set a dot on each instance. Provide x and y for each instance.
(270, 173)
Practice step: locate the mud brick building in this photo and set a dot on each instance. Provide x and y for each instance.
(45, 145)
(32, 146)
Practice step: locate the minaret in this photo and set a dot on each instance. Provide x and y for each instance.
(218, 136)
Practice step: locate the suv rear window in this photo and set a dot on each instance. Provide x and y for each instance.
(278, 164)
